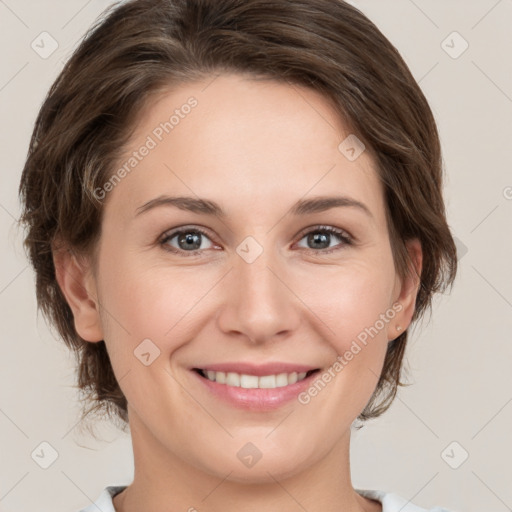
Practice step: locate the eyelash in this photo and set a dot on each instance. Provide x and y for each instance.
(343, 235)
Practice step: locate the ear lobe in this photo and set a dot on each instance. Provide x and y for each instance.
(77, 285)
(410, 285)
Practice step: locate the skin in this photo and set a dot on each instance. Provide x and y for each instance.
(255, 147)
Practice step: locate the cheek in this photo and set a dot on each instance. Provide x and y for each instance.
(148, 315)
(151, 302)
(353, 299)
(356, 308)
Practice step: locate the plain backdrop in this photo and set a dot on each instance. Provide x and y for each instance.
(446, 439)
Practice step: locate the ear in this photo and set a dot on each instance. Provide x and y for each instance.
(407, 289)
(77, 283)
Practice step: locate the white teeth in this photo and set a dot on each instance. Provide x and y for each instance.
(281, 380)
(248, 381)
(253, 381)
(232, 379)
(267, 381)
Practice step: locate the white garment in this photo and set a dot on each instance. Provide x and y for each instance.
(390, 502)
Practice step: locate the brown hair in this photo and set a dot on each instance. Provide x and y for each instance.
(139, 48)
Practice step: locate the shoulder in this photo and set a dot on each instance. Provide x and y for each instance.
(104, 501)
(392, 502)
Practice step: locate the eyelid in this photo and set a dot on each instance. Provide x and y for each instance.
(326, 227)
(175, 231)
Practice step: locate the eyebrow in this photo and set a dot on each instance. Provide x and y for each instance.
(208, 207)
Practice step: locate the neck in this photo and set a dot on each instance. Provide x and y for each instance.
(165, 481)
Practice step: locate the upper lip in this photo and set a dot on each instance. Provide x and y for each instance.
(257, 369)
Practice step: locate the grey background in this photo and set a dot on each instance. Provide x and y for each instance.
(459, 361)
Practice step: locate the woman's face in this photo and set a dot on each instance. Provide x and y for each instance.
(260, 290)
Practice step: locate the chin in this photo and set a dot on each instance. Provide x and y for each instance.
(247, 466)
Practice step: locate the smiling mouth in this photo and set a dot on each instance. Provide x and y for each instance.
(241, 380)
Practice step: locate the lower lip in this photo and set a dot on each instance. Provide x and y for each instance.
(256, 399)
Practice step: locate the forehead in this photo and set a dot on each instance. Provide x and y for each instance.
(245, 143)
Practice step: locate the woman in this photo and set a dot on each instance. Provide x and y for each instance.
(235, 213)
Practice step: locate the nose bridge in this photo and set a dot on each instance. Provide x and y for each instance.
(255, 273)
(258, 303)
(255, 256)
(257, 279)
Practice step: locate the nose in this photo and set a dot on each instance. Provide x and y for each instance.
(259, 304)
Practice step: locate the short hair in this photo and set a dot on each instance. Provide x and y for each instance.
(140, 48)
